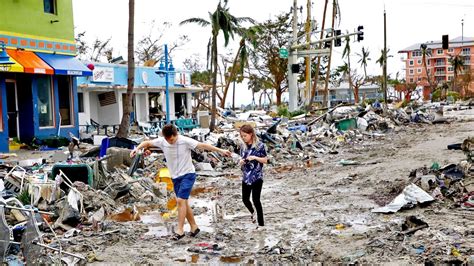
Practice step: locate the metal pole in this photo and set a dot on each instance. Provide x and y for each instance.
(167, 89)
(385, 60)
(308, 58)
(292, 80)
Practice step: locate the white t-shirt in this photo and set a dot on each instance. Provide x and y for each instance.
(178, 155)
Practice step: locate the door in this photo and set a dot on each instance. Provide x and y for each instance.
(12, 109)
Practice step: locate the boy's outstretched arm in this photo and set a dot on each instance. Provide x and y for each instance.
(209, 147)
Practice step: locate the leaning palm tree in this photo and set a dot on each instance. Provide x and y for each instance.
(241, 57)
(125, 123)
(364, 57)
(457, 63)
(219, 20)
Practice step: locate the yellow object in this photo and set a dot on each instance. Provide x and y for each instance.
(165, 177)
(340, 226)
(455, 252)
(13, 146)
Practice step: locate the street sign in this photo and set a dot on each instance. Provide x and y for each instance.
(301, 53)
(283, 53)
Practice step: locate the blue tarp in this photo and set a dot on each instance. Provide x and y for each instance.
(65, 65)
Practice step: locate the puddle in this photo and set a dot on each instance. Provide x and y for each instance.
(205, 220)
(161, 225)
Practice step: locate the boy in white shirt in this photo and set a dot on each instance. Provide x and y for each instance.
(177, 151)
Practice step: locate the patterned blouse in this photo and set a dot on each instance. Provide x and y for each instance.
(253, 170)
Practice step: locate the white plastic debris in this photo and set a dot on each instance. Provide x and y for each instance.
(411, 195)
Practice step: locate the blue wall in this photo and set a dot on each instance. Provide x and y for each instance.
(53, 131)
(120, 76)
(4, 133)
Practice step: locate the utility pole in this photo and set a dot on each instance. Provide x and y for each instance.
(385, 60)
(307, 93)
(328, 69)
(292, 77)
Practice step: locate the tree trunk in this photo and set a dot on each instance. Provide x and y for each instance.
(316, 76)
(278, 95)
(426, 71)
(233, 97)
(351, 87)
(125, 123)
(214, 84)
(232, 74)
(356, 95)
(328, 69)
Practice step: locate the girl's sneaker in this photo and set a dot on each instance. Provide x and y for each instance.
(252, 216)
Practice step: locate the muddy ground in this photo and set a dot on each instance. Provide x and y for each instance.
(314, 212)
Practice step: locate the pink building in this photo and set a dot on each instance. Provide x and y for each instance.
(439, 68)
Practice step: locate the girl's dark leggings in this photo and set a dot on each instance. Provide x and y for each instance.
(255, 189)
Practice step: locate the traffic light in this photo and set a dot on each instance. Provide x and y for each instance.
(445, 42)
(360, 33)
(337, 41)
(295, 68)
(327, 45)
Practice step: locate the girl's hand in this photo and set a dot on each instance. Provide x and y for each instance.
(251, 158)
(241, 162)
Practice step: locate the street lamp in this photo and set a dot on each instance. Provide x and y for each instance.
(165, 69)
(5, 63)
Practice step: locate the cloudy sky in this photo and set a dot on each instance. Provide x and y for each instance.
(408, 22)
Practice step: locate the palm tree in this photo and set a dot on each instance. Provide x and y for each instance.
(426, 52)
(347, 52)
(457, 63)
(241, 57)
(125, 123)
(364, 57)
(219, 20)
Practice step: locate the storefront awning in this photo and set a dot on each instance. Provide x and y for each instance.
(65, 65)
(16, 67)
(30, 62)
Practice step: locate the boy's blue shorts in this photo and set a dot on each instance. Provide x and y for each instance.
(183, 185)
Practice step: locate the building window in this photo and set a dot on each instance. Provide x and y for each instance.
(428, 62)
(466, 51)
(65, 102)
(450, 50)
(411, 80)
(410, 62)
(80, 102)
(450, 78)
(418, 70)
(45, 101)
(419, 79)
(450, 69)
(419, 61)
(439, 51)
(411, 71)
(49, 6)
(416, 53)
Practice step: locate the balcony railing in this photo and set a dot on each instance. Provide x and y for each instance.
(440, 73)
(440, 63)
